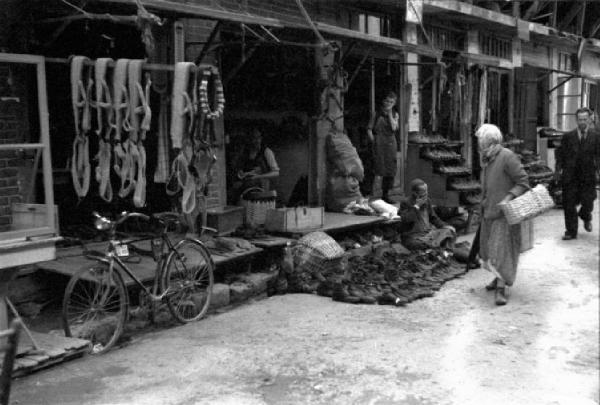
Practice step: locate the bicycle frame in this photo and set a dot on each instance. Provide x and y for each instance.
(111, 257)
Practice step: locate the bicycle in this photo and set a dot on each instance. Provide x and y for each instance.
(96, 303)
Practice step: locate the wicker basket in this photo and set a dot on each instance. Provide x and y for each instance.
(256, 203)
(317, 252)
(529, 205)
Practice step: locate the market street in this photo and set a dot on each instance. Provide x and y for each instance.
(455, 348)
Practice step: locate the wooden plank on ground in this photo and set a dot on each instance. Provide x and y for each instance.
(53, 349)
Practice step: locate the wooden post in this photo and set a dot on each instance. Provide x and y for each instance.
(330, 117)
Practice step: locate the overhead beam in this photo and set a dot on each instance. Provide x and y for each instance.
(531, 10)
(594, 29)
(581, 18)
(570, 16)
(195, 10)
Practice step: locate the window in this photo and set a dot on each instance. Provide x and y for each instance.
(26, 196)
(371, 24)
(444, 39)
(493, 46)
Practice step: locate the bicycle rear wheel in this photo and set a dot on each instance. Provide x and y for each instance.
(95, 306)
(188, 280)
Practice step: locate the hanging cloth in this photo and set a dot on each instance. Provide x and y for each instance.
(105, 125)
(81, 85)
(161, 174)
(483, 90)
(182, 108)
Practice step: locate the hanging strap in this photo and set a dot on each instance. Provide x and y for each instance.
(81, 85)
(105, 125)
(161, 174)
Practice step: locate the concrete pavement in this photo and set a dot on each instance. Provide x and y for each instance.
(454, 348)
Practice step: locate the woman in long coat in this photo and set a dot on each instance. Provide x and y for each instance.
(503, 178)
(384, 132)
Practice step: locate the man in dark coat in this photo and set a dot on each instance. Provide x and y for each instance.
(576, 165)
(422, 228)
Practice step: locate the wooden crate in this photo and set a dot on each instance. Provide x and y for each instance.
(526, 235)
(295, 219)
(225, 219)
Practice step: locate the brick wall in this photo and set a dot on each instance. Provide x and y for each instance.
(13, 126)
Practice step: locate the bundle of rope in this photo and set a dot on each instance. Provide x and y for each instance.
(122, 159)
(81, 85)
(139, 107)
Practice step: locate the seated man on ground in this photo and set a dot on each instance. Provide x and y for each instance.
(423, 229)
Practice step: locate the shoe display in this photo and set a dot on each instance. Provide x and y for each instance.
(568, 236)
(492, 286)
(501, 296)
(587, 225)
(325, 289)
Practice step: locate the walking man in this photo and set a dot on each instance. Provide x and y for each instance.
(576, 165)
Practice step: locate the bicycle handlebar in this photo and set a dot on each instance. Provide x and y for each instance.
(104, 224)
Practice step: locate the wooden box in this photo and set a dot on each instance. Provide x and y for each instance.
(294, 219)
(526, 235)
(225, 219)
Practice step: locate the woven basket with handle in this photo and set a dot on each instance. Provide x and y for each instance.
(257, 202)
(529, 205)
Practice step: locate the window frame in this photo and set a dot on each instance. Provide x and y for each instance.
(43, 145)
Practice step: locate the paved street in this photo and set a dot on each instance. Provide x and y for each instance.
(455, 348)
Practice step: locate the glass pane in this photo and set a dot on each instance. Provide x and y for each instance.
(22, 193)
(19, 113)
(362, 25)
(374, 25)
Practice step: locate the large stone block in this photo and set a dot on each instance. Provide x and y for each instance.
(239, 291)
(257, 281)
(220, 296)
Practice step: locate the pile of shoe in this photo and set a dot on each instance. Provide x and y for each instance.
(465, 185)
(439, 154)
(391, 278)
(426, 139)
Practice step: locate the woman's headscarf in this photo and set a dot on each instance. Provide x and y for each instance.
(490, 142)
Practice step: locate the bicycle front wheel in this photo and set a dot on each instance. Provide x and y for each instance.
(95, 307)
(188, 280)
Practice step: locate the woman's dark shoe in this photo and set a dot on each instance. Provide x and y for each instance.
(587, 225)
(492, 286)
(501, 295)
(568, 236)
(473, 264)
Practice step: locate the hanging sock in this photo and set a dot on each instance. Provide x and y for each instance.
(81, 85)
(105, 122)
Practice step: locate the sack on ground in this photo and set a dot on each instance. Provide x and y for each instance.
(342, 156)
(341, 190)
